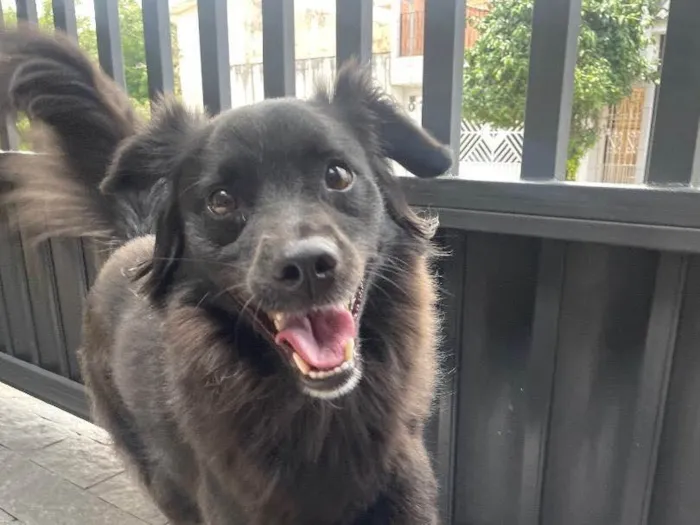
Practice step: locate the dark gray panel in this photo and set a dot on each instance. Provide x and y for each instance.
(6, 290)
(601, 345)
(20, 337)
(68, 254)
(14, 278)
(675, 498)
(278, 48)
(443, 61)
(6, 345)
(64, 16)
(654, 377)
(46, 308)
(540, 378)
(494, 397)
(92, 262)
(550, 89)
(70, 276)
(49, 350)
(213, 45)
(159, 55)
(442, 430)
(353, 30)
(675, 133)
(5, 335)
(109, 41)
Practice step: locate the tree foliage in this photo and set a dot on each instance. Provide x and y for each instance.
(611, 60)
(133, 48)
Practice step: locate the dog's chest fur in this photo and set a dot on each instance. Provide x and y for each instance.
(310, 461)
(252, 436)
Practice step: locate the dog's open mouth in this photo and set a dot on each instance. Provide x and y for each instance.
(321, 345)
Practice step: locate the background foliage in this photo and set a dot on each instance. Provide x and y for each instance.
(133, 49)
(611, 60)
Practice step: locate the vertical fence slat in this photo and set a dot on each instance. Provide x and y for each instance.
(39, 273)
(494, 407)
(159, 55)
(5, 335)
(109, 41)
(64, 17)
(606, 303)
(213, 43)
(46, 306)
(6, 345)
(69, 254)
(441, 435)
(20, 337)
(553, 52)
(26, 10)
(677, 477)
(443, 60)
(70, 277)
(278, 48)
(655, 370)
(540, 377)
(21, 331)
(674, 151)
(353, 31)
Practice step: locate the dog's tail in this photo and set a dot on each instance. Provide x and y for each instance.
(78, 118)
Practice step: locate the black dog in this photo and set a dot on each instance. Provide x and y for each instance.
(261, 341)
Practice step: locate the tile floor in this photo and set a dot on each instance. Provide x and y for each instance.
(56, 469)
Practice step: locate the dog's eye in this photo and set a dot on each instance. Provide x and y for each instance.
(339, 178)
(221, 203)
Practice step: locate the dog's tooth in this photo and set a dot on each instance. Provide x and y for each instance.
(301, 364)
(349, 349)
(345, 366)
(277, 320)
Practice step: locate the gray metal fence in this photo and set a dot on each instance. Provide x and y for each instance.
(572, 312)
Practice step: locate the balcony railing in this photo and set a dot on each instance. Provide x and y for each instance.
(412, 30)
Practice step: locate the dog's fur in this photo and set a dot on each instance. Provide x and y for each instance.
(193, 392)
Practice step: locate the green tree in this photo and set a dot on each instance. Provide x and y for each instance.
(611, 59)
(133, 48)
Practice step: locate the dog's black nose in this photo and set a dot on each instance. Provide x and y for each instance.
(311, 262)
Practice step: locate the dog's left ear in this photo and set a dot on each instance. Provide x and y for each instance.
(372, 114)
(156, 152)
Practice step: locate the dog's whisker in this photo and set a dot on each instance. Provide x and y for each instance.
(201, 301)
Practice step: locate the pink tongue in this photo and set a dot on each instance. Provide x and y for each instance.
(319, 338)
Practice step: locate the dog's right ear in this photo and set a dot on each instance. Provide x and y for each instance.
(148, 168)
(157, 152)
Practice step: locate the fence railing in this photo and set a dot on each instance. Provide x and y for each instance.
(571, 311)
(412, 30)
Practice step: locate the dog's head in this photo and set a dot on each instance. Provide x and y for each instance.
(286, 212)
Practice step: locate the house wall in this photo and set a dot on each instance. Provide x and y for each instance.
(314, 46)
